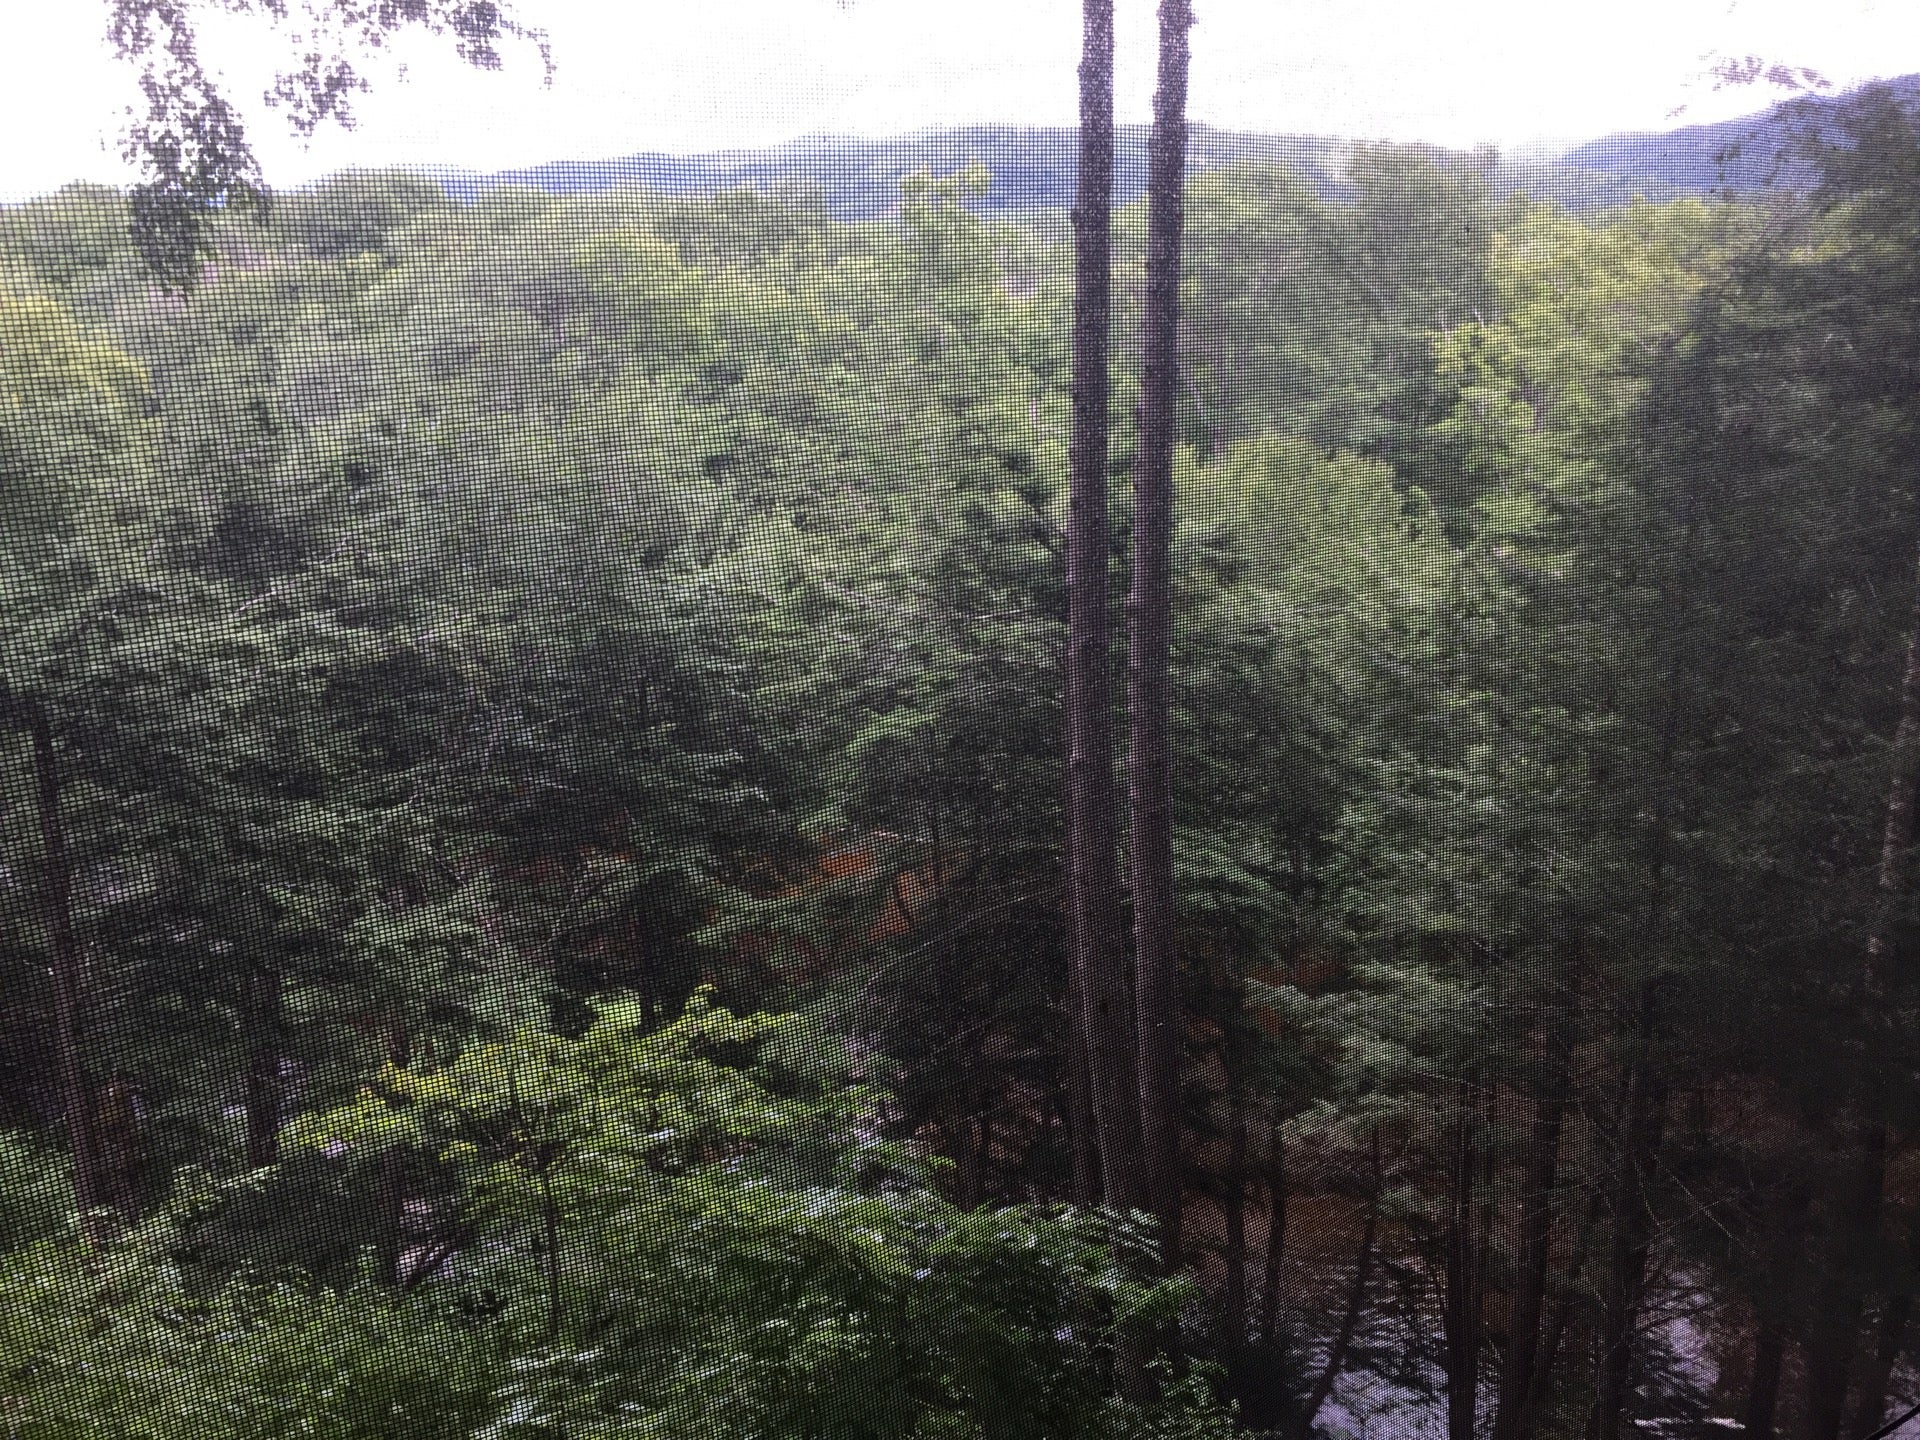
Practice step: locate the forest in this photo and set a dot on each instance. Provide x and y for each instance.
(534, 876)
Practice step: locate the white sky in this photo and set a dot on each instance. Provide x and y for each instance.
(668, 75)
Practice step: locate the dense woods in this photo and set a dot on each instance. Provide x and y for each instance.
(535, 780)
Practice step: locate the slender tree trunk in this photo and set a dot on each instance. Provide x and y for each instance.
(1890, 1337)
(69, 983)
(263, 1098)
(1527, 1301)
(1276, 1234)
(1150, 609)
(1233, 1300)
(117, 1134)
(1763, 1386)
(392, 1200)
(1560, 1316)
(1631, 1242)
(966, 1168)
(1460, 1317)
(1528, 1293)
(1083, 1149)
(1095, 932)
(550, 1221)
(983, 1140)
(392, 1193)
(1356, 1302)
(1835, 1333)
(1855, 1221)
(1787, 1216)
(1897, 833)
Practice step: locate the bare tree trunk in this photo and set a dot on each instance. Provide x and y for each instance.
(1835, 1333)
(983, 1140)
(1527, 1302)
(1896, 835)
(69, 983)
(966, 1166)
(1233, 1300)
(1526, 1306)
(550, 1224)
(1787, 1218)
(1095, 934)
(1356, 1302)
(1560, 1315)
(1460, 1311)
(1276, 1233)
(263, 1098)
(1855, 1221)
(392, 1193)
(1870, 1404)
(1763, 1386)
(1631, 1241)
(117, 1134)
(1083, 1149)
(1150, 609)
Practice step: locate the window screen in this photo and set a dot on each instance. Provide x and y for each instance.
(1031, 721)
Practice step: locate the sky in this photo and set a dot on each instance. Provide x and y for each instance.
(634, 75)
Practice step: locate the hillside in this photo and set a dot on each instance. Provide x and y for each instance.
(1032, 166)
(1743, 155)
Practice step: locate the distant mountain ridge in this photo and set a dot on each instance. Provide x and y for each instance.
(1741, 155)
(1032, 166)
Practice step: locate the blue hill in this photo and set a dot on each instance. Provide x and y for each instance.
(1740, 155)
(1032, 166)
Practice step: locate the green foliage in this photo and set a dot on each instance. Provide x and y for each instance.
(143, 1359)
(732, 1253)
(39, 1194)
(735, 1254)
(69, 420)
(556, 705)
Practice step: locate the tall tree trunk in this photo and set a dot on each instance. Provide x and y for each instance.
(1631, 1241)
(1890, 1337)
(117, 1135)
(968, 1154)
(1233, 1299)
(1460, 1310)
(1527, 1300)
(1528, 1291)
(1076, 1095)
(1897, 830)
(1276, 1247)
(263, 1098)
(1763, 1385)
(392, 1191)
(1786, 1241)
(1855, 1221)
(1356, 1302)
(69, 982)
(1083, 1149)
(1149, 610)
(550, 1226)
(1835, 1333)
(1560, 1313)
(1095, 933)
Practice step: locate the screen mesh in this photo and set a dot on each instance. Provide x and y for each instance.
(797, 786)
